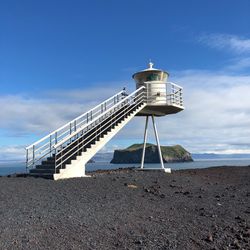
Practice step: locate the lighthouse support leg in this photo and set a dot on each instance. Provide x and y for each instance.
(158, 142)
(144, 142)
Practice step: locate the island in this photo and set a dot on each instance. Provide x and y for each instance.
(133, 154)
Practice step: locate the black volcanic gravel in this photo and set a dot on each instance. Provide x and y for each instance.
(128, 209)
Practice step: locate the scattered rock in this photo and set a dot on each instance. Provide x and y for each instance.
(239, 236)
(209, 238)
(236, 244)
(138, 242)
(238, 218)
(246, 233)
(132, 186)
(247, 211)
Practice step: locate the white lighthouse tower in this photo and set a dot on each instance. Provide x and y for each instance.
(162, 98)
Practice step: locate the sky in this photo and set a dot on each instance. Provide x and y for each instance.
(60, 58)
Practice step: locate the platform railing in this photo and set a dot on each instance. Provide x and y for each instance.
(45, 146)
(167, 93)
(80, 139)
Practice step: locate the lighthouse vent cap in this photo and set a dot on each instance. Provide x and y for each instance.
(150, 68)
(150, 65)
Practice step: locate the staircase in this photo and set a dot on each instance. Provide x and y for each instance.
(64, 152)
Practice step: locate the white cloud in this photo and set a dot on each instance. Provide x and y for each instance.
(233, 43)
(13, 152)
(27, 115)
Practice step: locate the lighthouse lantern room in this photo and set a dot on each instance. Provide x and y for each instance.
(162, 97)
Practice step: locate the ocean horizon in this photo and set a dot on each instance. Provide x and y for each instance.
(11, 167)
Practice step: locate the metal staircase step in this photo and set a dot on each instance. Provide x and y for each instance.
(48, 162)
(42, 171)
(43, 175)
(46, 166)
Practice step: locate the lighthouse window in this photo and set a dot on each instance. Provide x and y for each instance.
(153, 77)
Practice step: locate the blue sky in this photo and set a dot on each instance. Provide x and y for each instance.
(59, 58)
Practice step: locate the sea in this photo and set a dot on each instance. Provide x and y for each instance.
(7, 168)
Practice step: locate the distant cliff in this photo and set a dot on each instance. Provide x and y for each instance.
(133, 154)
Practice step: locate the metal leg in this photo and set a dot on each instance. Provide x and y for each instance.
(144, 142)
(158, 142)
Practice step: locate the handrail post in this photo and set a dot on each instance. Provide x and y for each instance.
(75, 125)
(27, 159)
(61, 156)
(33, 155)
(55, 159)
(50, 144)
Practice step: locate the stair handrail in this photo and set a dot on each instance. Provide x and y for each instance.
(49, 140)
(64, 150)
(98, 117)
(77, 118)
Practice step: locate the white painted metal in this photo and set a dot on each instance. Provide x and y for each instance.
(158, 142)
(154, 80)
(77, 167)
(44, 147)
(154, 96)
(84, 141)
(164, 93)
(144, 142)
(163, 97)
(124, 107)
(166, 170)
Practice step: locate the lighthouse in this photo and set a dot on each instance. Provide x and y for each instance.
(162, 98)
(64, 152)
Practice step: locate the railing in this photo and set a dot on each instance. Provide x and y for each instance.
(174, 94)
(164, 94)
(78, 141)
(45, 146)
(95, 120)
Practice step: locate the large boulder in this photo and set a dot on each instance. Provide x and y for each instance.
(133, 154)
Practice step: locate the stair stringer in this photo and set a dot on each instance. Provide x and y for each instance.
(77, 167)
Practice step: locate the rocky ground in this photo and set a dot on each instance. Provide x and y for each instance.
(128, 209)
